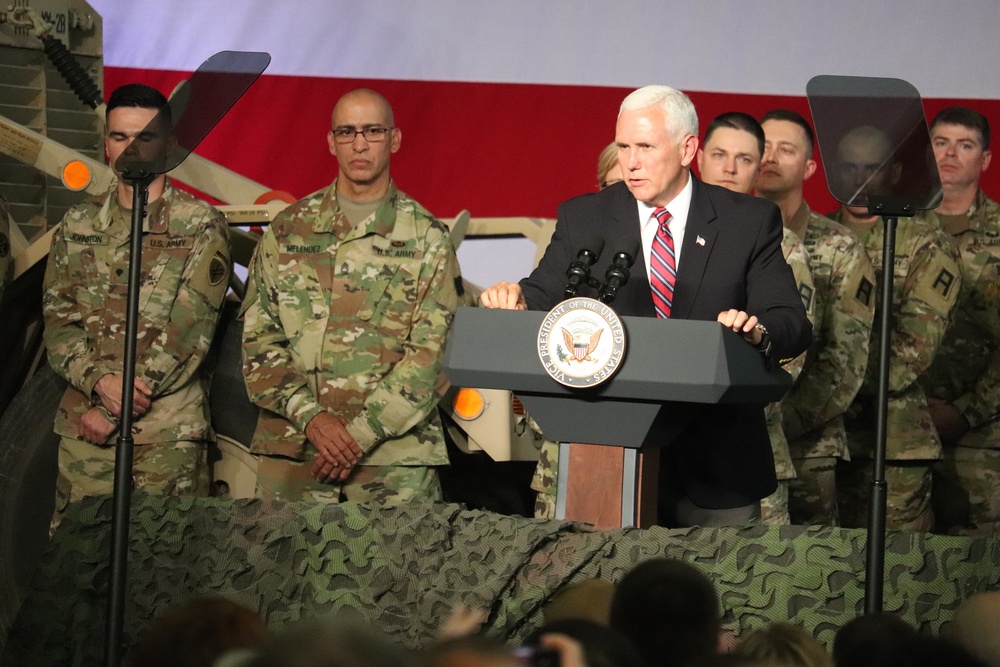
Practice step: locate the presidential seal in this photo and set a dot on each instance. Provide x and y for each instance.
(581, 342)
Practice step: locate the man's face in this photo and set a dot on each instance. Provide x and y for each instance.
(786, 163)
(959, 154)
(862, 167)
(363, 162)
(730, 158)
(655, 168)
(127, 131)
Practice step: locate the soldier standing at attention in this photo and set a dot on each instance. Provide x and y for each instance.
(842, 305)
(185, 271)
(963, 383)
(350, 296)
(926, 283)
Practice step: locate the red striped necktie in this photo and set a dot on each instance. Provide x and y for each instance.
(662, 265)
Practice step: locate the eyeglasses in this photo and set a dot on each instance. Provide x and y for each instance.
(373, 134)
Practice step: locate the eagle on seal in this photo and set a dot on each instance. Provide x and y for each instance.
(582, 347)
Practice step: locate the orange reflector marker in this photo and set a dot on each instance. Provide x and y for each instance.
(276, 195)
(469, 403)
(76, 175)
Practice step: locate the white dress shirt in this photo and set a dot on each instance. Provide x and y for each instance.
(678, 208)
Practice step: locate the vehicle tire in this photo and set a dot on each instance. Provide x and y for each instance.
(28, 468)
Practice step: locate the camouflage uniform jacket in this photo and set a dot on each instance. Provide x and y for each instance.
(185, 275)
(966, 370)
(926, 284)
(352, 320)
(844, 307)
(797, 258)
(5, 249)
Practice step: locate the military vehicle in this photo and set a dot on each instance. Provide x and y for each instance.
(51, 157)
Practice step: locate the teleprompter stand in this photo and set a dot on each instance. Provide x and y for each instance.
(194, 109)
(875, 144)
(668, 365)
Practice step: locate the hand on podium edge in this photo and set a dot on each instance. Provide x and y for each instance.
(503, 295)
(743, 324)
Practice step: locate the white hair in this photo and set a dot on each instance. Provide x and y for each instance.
(682, 119)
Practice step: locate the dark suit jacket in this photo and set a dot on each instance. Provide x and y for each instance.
(731, 258)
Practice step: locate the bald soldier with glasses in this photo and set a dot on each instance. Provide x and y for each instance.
(350, 297)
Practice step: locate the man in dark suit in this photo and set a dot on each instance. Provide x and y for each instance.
(726, 254)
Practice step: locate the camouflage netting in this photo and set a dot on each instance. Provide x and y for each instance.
(403, 569)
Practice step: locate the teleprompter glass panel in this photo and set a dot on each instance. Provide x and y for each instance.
(874, 142)
(193, 110)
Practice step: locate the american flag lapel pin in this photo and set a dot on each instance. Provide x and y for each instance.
(700, 240)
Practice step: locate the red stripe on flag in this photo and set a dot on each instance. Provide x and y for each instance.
(495, 149)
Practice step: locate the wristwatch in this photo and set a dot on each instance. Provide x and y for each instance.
(765, 340)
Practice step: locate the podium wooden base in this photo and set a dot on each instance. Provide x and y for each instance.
(608, 486)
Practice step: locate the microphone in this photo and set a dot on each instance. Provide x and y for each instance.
(617, 273)
(579, 269)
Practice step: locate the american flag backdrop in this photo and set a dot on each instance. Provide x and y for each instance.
(505, 105)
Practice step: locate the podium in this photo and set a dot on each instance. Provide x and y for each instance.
(667, 365)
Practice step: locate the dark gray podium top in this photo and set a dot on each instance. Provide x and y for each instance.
(667, 364)
(665, 360)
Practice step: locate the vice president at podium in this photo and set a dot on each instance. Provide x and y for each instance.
(714, 255)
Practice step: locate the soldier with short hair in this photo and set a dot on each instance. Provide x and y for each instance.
(963, 383)
(350, 296)
(843, 305)
(927, 280)
(184, 278)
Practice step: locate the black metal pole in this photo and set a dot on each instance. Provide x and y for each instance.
(139, 167)
(875, 557)
(122, 497)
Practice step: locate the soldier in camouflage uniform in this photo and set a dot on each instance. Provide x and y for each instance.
(350, 296)
(926, 284)
(545, 481)
(963, 383)
(731, 158)
(5, 249)
(185, 271)
(775, 509)
(844, 304)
